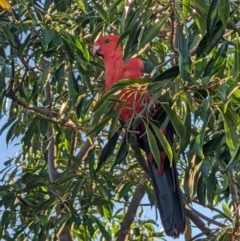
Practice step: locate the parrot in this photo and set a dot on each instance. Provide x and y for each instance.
(165, 177)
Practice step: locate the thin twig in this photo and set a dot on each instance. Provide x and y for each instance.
(49, 114)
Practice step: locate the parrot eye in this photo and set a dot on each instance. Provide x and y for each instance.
(106, 41)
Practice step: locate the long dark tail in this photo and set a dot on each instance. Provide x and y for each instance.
(167, 190)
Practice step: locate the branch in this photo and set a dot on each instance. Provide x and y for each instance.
(123, 234)
(197, 220)
(214, 209)
(50, 115)
(191, 214)
(134, 140)
(137, 153)
(65, 234)
(188, 233)
(210, 220)
(83, 153)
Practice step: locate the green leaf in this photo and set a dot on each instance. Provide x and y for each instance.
(199, 67)
(102, 229)
(202, 190)
(80, 45)
(232, 138)
(212, 17)
(47, 35)
(226, 210)
(72, 158)
(67, 144)
(170, 74)
(200, 21)
(224, 11)
(235, 159)
(27, 137)
(23, 45)
(9, 200)
(211, 187)
(100, 108)
(122, 152)
(207, 44)
(186, 7)
(101, 11)
(205, 168)
(152, 31)
(153, 145)
(201, 5)
(198, 144)
(114, 124)
(135, 37)
(43, 126)
(5, 218)
(110, 113)
(113, 6)
(81, 5)
(8, 35)
(20, 229)
(107, 151)
(81, 107)
(71, 86)
(77, 188)
(217, 61)
(165, 144)
(184, 55)
(236, 64)
(123, 190)
(178, 126)
(107, 211)
(89, 225)
(131, 21)
(91, 161)
(7, 124)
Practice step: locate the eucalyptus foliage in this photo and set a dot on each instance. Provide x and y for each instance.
(52, 94)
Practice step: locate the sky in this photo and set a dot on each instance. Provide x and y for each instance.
(6, 152)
